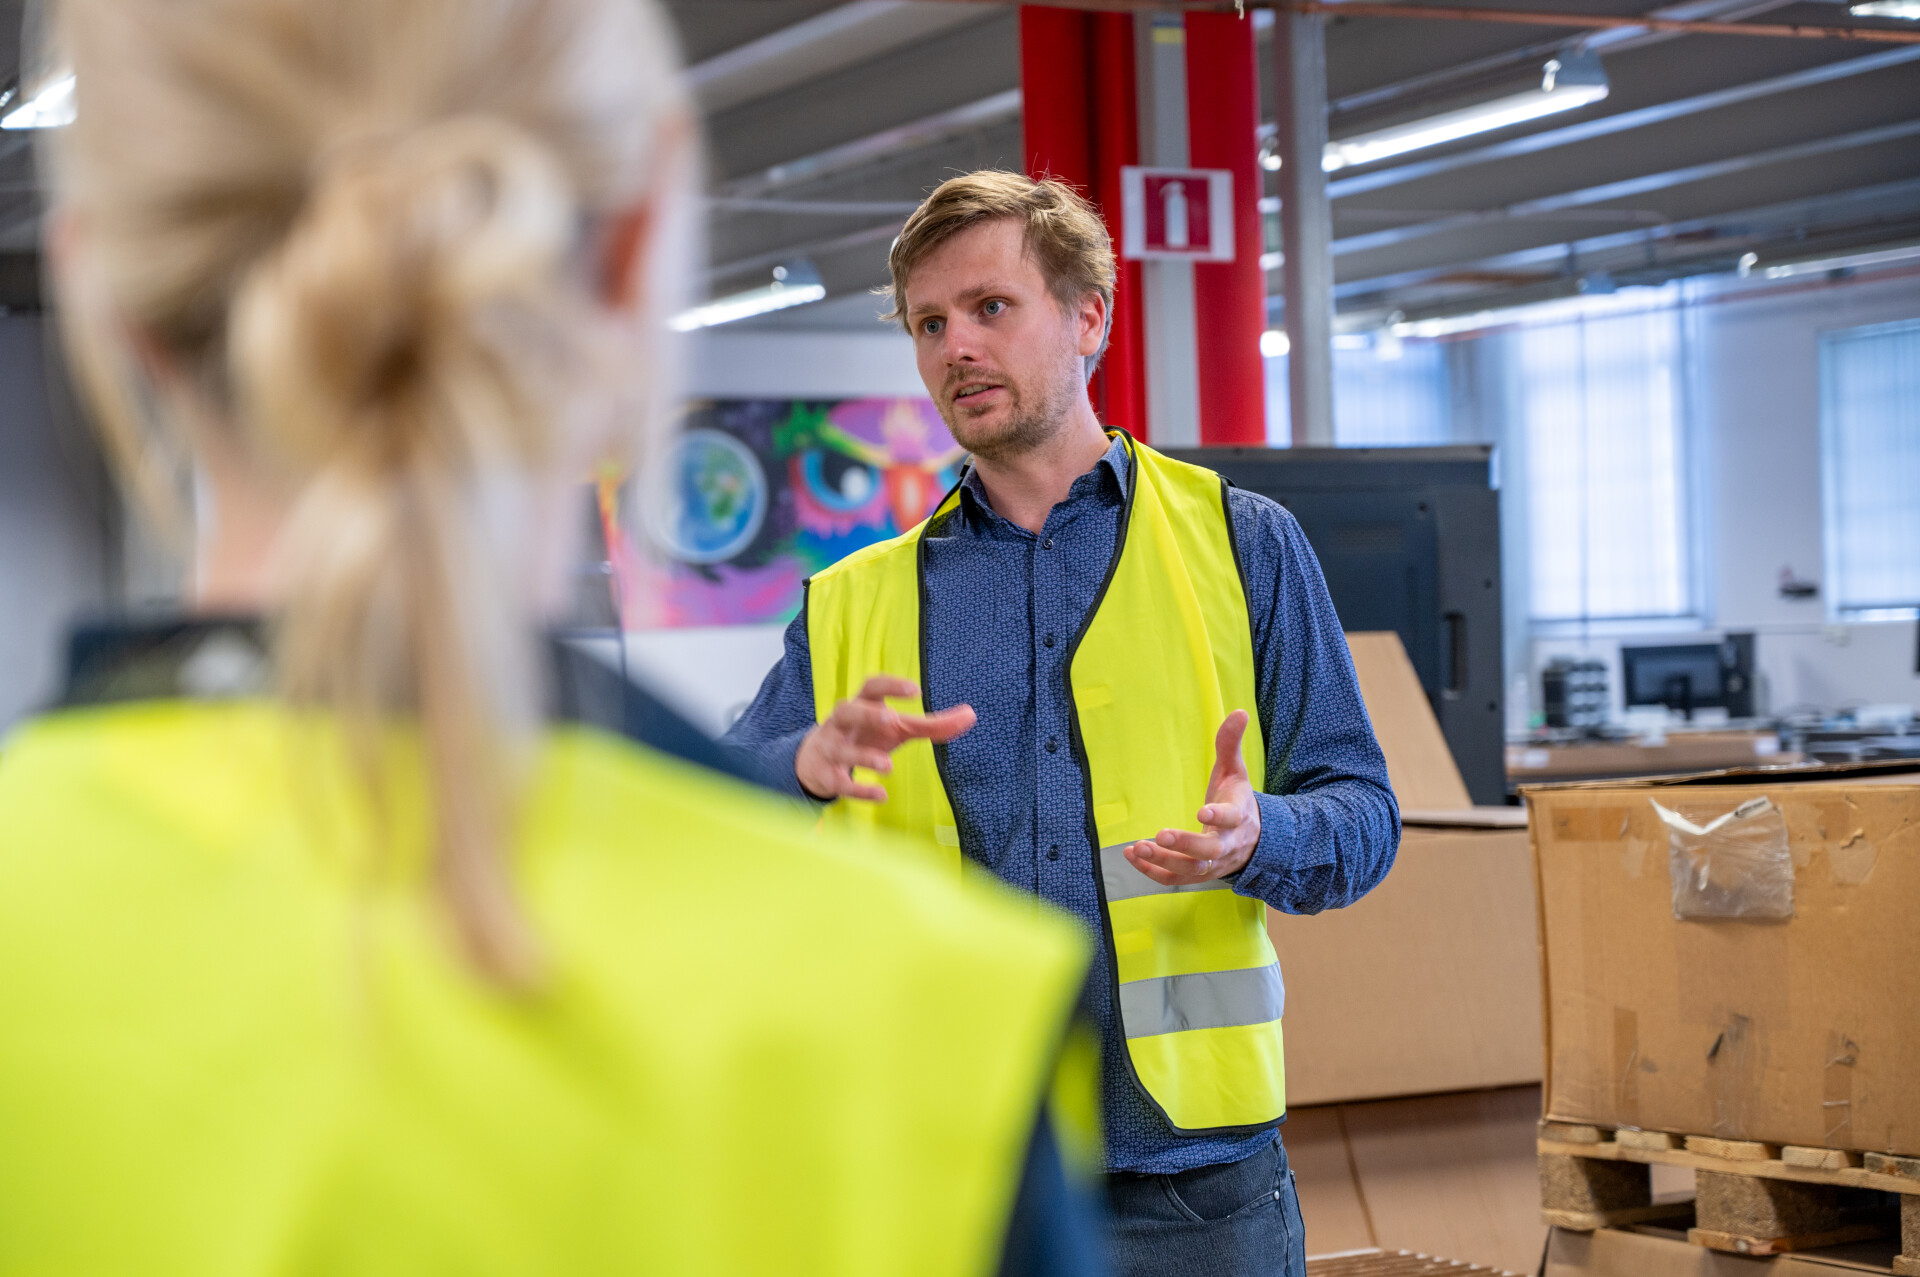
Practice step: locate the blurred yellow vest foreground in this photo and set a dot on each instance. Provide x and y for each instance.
(232, 1042)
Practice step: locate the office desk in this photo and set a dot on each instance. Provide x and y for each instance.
(1681, 752)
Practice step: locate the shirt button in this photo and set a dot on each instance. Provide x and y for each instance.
(1053, 852)
(1047, 544)
(1053, 743)
(1047, 641)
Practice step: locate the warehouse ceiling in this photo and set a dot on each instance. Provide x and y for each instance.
(827, 121)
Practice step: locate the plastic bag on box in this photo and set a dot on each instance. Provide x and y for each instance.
(1737, 865)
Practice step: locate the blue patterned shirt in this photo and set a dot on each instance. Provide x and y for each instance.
(1003, 606)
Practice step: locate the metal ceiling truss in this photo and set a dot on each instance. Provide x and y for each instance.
(1613, 40)
(1520, 17)
(1629, 187)
(1653, 247)
(1606, 125)
(1717, 236)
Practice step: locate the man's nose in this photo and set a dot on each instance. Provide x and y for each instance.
(961, 342)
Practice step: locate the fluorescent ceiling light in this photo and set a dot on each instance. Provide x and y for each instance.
(1567, 84)
(1848, 261)
(50, 108)
(1273, 343)
(794, 284)
(1908, 9)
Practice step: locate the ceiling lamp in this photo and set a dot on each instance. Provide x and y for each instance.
(794, 284)
(49, 108)
(1908, 9)
(1567, 83)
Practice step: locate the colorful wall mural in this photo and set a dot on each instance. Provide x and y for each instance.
(762, 494)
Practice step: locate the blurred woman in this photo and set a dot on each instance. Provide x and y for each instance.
(322, 948)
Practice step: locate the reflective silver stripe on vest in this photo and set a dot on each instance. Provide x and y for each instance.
(1124, 882)
(1209, 1000)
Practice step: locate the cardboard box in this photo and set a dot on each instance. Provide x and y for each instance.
(1788, 1030)
(1444, 1175)
(1420, 767)
(1431, 982)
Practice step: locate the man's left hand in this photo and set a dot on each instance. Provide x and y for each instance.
(1230, 822)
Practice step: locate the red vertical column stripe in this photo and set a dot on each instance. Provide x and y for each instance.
(1223, 120)
(1080, 125)
(1116, 132)
(1055, 70)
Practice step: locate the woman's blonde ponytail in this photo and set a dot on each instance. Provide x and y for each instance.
(364, 230)
(394, 355)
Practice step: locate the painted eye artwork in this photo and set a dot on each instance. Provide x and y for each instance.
(867, 469)
(757, 495)
(836, 482)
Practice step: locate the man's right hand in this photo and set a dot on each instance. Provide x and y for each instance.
(864, 732)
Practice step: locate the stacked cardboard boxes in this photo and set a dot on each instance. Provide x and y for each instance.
(1413, 1019)
(1732, 975)
(1431, 983)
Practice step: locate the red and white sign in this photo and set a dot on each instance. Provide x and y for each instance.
(1184, 214)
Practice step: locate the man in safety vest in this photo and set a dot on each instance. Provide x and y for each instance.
(1059, 677)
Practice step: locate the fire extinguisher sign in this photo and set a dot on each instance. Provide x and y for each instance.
(1180, 213)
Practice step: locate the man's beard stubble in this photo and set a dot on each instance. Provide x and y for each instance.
(1029, 427)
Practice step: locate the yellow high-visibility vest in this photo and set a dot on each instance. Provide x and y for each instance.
(1166, 655)
(237, 1039)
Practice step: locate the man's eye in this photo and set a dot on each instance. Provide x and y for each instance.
(994, 307)
(930, 326)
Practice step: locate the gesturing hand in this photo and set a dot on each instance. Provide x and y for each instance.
(1231, 820)
(864, 732)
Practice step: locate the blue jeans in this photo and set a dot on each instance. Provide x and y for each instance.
(1239, 1219)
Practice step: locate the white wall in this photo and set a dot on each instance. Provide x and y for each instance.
(822, 364)
(1759, 406)
(708, 673)
(53, 564)
(1754, 397)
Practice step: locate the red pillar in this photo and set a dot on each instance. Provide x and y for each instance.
(1081, 126)
(1230, 298)
(1056, 62)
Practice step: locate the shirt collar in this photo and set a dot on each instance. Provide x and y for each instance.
(198, 658)
(1115, 466)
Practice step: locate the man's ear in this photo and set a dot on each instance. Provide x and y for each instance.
(1095, 318)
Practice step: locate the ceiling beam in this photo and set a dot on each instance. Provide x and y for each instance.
(1626, 188)
(812, 208)
(1784, 216)
(930, 130)
(818, 46)
(1596, 21)
(1522, 17)
(1617, 40)
(1659, 113)
(833, 244)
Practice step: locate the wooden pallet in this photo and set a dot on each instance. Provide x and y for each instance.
(1395, 1263)
(1749, 1198)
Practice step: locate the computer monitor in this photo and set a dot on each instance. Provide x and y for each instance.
(1408, 540)
(1692, 676)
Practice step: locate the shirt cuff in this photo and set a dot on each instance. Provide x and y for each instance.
(776, 758)
(1277, 859)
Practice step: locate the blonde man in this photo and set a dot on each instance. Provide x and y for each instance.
(1060, 677)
